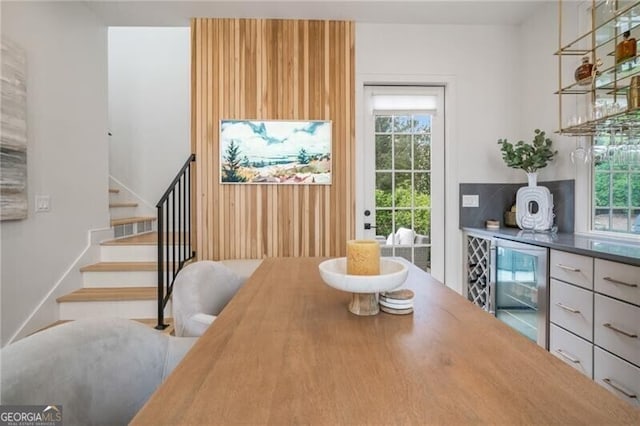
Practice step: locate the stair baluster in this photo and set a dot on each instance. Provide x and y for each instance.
(170, 262)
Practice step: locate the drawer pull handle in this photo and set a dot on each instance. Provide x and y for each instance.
(613, 280)
(617, 330)
(567, 308)
(619, 388)
(567, 268)
(567, 356)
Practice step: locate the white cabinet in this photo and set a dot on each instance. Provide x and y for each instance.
(594, 314)
(617, 328)
(617, 280)
(617, 375)
(573, 350)
(571, 307)
(572, 268)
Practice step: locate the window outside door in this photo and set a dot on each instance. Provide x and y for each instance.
(402, 146)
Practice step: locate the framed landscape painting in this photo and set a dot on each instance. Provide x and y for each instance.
(13, 132)
(275, 152)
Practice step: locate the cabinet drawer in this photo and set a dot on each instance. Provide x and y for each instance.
(620, 377)
(572, 268)
(573, 350)
(617, 280)
(617, 328)
(572, 308)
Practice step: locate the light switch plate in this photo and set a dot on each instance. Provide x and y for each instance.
(470, 201)
(43, 203)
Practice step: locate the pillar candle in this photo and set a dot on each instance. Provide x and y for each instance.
(363, 257)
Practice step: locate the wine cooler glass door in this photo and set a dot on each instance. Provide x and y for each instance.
(520, 289)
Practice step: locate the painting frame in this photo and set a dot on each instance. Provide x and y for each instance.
(275, 152)
(13, 132)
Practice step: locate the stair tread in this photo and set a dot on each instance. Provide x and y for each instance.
(120, 266)
(151, 322)
(147, 238)
(114, 191)
(128, 220)
(111, 205)
(104, 294)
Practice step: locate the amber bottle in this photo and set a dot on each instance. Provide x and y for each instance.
(584, 72)
(626, 48)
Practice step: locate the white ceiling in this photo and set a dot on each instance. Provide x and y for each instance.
(177, 13)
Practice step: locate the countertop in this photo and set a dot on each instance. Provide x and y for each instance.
(624, 251)
(286, 350)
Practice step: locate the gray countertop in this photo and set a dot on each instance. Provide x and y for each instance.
(624, 251)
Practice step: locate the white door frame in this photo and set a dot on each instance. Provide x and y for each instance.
(451, 273)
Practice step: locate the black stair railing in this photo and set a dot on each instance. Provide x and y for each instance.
(175, 246)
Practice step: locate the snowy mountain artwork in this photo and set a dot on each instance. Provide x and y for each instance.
(275, 151)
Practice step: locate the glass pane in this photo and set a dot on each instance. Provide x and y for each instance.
(620, 190)
(635, 190)
(384, 224)
(422, 220)
(403, 219)
(402, 123)
(620, 220)
(422, 123)
(423, 189)
(422, 152)
(635, 221)
(403, 190)
(383, 152)
(383, 189)
(601, 220)
(383, 124)
(601, 188)
(402, 152)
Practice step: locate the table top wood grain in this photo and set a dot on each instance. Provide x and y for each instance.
(286, 350)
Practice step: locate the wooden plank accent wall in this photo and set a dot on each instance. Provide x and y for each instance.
(272, 69)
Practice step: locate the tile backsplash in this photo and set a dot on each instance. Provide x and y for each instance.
(496, 198)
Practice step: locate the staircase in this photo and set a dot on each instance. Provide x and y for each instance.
(124, 283)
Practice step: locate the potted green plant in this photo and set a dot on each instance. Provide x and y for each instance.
(528, 156)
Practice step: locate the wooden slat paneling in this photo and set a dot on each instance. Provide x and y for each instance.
(272, 70)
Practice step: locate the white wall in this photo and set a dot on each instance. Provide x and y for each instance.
(538, 103)
(480, 66)
(66, 152)
(149, 111)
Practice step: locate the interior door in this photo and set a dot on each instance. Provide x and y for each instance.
(404, 172)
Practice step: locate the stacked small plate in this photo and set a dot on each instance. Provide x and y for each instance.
(398, 302)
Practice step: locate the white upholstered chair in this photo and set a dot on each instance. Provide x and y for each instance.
(200, 292)
(100, 370)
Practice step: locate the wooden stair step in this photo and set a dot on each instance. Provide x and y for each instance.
(128, 220)
(150, 322)
(117, 205)
(114, 191)
(148, 238)
(120, 266)
(108, 294)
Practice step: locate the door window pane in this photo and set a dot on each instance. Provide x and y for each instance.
(402, 156)
(402, 123)
(422, 124)
(403, 190)
(383, 124)
(383, 152)
(423, 189)
(383, 190)
(422, 152)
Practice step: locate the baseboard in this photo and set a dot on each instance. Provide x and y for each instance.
(47, 311)
(147, 209)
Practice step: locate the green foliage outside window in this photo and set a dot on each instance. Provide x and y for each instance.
(422, 215)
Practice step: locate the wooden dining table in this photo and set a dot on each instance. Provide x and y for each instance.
(286, 350)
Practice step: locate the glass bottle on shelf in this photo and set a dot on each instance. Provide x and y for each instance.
(626, 48)
(584, 73)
